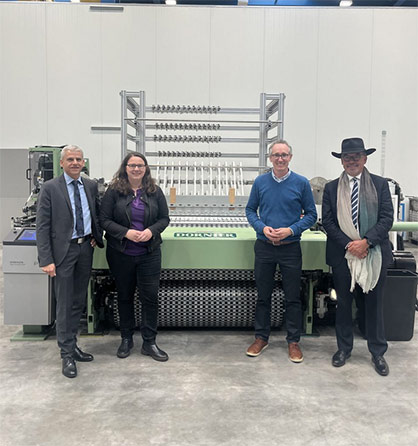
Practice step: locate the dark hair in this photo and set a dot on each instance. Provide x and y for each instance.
(120, 180)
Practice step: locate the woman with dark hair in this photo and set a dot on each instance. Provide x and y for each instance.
(133, 213)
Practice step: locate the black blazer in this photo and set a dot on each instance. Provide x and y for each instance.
(55, 220)
(378, 234)
(115, 217)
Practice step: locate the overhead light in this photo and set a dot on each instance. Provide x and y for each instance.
(345, 3)
(170, 2)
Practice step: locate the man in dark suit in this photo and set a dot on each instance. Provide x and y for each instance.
(67, 230)
(357, 214)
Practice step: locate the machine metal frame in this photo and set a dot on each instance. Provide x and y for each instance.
(207, 216)
(135, 115)
(207, 199)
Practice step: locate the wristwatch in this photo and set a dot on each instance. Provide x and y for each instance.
(369, 242)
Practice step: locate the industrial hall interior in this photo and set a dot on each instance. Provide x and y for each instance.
(209, 222)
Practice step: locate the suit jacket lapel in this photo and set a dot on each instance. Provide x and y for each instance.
(64, 190)
(89, 196)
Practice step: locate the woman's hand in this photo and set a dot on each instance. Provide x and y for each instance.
(133, 235)
(138, 236)
(146, 234)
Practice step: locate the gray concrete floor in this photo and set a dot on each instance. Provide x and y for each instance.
(208, 393)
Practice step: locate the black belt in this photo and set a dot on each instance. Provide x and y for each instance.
(280, 242)
(81, 240)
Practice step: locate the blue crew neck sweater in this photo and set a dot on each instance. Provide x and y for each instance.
(280, 205)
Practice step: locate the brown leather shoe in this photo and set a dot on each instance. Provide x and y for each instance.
(257, 347)
(295, 353)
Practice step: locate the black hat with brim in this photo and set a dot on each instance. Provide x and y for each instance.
(353, 145)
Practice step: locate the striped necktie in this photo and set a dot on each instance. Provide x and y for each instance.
(79, 221)
(354, 203)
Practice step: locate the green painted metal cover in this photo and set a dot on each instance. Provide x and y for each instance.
(222, 248)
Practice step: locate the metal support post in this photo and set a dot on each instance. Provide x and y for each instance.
(140, 129)
(262, 157)
(280, 127)
(123, 125)
(308, 316)
(92, 316)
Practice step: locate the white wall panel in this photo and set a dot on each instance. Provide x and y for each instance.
(394, 94)
(14, 188)
(291, 65)
(74, 61)
(23, 91)
(237, 69)
(344, 74)
(236, 56)
(128, 63)
(182, 62)
(182, 55)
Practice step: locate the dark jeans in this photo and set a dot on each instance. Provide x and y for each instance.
(70, 284)
(289, 259)
(373, 311)
(131, 272)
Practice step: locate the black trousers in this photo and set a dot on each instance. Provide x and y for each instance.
(289, 259)
(373, 311)
(131, 272)
(70, 283)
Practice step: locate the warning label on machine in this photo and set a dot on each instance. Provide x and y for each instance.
(205, 235)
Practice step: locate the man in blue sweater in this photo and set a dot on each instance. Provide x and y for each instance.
(275, 207)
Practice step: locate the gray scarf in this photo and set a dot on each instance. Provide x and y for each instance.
(365, 271)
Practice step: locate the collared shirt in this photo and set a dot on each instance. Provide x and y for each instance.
(351, 182)
(84, 204)
(283, 178)
(279, 180)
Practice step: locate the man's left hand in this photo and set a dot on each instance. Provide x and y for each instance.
(282, 233)
(359, 248)
(93, 242)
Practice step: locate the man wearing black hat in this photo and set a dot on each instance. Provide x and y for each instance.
(357, 214)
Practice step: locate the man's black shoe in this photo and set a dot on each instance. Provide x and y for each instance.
(124, 349)
(80, 356)
(153, 351)
(380, 365)
(339, 358)
(69, 369)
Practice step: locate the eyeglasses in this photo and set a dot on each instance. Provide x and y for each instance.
(283, 156)
(351, 157)
(136, 166)
(71, 160)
